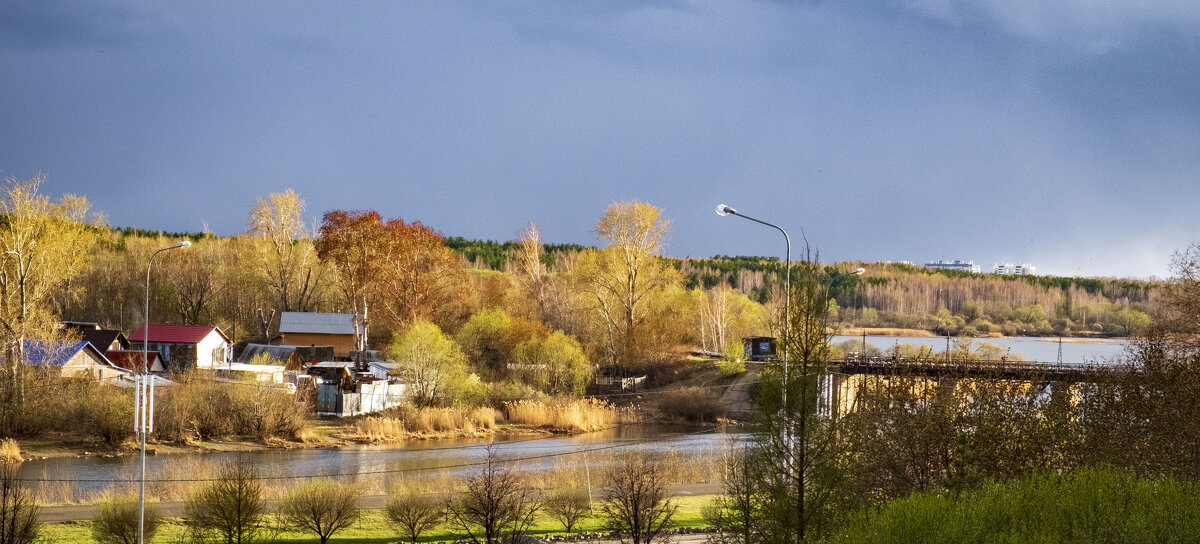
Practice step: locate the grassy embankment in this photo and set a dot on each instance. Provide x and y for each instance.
(1094, 505)
(373, 528)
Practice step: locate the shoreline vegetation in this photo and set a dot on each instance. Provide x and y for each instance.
(397, 426)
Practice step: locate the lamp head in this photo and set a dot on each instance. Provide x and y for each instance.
(723, 210)
(184, 243)
(859, 271)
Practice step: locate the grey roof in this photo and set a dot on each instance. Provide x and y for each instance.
(314, 322)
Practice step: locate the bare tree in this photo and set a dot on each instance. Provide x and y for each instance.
(414, 513)
(232, 507)
(19, 521)
(567, 506)
(321, 506)
(497, 506)
(635, 503)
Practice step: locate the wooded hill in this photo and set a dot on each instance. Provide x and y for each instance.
(891, 295)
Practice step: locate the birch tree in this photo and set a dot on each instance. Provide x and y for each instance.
(287, 257)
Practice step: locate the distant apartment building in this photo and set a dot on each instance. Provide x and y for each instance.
(1010, 269)
(963, 266)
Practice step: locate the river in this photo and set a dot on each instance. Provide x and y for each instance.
(76, 478)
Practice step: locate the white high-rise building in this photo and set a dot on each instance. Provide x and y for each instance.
(1022, 269)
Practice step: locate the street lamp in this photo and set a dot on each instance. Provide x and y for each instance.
(723, 210)
(143, 400)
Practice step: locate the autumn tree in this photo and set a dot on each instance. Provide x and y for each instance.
(286, 256)
(353, 244)
(403, 270)
(620, 278)
(421, 277)
(43, 245)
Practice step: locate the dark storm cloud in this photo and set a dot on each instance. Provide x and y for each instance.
(914, 130)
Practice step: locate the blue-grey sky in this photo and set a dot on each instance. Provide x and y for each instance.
(1065, 134)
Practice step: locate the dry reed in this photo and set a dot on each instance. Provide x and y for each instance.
(10, 451)
(382, 428)
(565, 414)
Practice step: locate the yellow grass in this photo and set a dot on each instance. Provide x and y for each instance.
(10, 451)
(567, 414)
(484, 418)
(382, 428)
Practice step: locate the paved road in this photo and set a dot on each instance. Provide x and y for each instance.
(85, 512)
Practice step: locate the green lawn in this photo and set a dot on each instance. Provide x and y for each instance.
(371, 528)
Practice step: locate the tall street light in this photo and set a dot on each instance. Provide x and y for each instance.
(143, 410)
(723, 210)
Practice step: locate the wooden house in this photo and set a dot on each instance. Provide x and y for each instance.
(318, 329)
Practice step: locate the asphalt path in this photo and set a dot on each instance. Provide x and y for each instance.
(85, 512)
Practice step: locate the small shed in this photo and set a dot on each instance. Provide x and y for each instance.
(758, 348)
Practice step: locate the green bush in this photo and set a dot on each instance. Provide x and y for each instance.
(1093, 505)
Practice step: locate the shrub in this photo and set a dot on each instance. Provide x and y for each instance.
(413, 513)
(567, 506)
(635, 503)
(232, 507)
(692, 404)
(322, 507)
(19, 523)
(116, 521)
(497, 506)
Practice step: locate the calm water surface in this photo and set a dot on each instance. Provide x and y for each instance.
(411, 459)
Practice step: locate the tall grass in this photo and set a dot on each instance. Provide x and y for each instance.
(407, 422)
(10, 451)
(1093, 505)
(562, 414)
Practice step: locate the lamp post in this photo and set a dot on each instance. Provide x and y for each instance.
(143, 409)
(723, 210)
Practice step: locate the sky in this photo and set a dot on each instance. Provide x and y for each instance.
(1063, 134)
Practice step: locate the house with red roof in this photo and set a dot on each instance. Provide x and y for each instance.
(182, 348)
